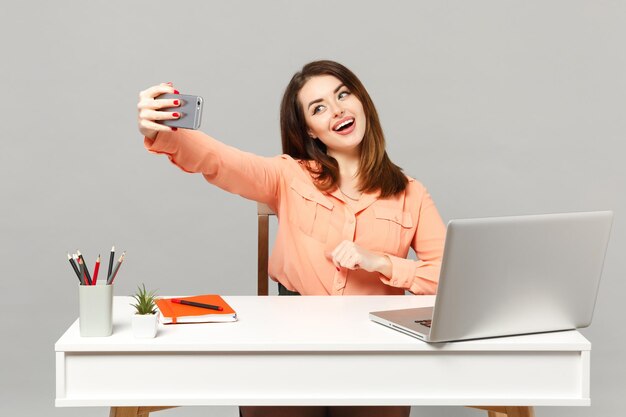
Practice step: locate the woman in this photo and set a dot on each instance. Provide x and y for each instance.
(347, 214)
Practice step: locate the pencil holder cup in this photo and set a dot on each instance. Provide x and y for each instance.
(95, 304)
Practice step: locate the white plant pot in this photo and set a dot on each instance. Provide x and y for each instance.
(145, 326)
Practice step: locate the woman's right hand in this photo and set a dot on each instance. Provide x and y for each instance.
(148, 108)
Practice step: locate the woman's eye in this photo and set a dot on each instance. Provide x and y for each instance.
(343, 94)
(318, 109)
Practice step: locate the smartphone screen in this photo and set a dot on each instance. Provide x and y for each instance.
(190, 109)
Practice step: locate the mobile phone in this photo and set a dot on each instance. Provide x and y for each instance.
(190, 110)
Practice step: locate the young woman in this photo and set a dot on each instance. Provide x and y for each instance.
(347, 214)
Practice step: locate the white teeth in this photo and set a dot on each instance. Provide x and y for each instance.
(343, 124)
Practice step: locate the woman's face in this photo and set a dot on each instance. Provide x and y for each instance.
(332, 113)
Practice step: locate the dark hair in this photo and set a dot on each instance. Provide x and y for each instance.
(376, 171)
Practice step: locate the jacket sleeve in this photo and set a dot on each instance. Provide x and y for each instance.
(421, 276)
(251, 176)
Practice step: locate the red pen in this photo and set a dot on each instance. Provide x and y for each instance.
(194, 304)
(95, 270)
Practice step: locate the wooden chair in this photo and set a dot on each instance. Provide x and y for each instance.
(263, 213)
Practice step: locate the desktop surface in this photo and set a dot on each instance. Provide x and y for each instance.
(332, 344)
(298, 323)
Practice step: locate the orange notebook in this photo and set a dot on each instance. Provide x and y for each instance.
(172, 313)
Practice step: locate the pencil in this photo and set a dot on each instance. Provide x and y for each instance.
(87, 275)
(117, 268)
(95, 270)
(81, 265)
(194, 304)
(74, 267)
(75, 258)
(111, 257)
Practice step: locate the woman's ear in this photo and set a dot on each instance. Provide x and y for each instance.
(311, 135)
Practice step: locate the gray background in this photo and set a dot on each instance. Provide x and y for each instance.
(498, 107)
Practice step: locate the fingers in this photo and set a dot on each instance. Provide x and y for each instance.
(147, 126)
(158, 115)
(157, 90)
(147, 97)
(346, 255)
(155, 104)
(148, 107)
(350, 260)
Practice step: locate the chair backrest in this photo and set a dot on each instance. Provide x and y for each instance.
(263, 212)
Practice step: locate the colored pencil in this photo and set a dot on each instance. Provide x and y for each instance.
(81, 265)
(74, 267)
(95, 270)
(117, 268)
(87, 274)
(111, 257)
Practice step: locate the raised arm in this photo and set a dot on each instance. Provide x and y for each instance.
(243, 173)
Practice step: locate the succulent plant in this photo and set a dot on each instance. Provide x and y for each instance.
(144, 301)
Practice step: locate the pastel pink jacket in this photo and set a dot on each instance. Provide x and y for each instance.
(311, 223)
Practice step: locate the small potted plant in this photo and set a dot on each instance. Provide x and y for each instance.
(146, 319)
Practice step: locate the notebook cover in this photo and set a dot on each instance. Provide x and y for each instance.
(180, 313)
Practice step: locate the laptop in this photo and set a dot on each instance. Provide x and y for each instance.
(505, 276)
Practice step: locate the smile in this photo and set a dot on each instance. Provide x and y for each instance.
(344, 126)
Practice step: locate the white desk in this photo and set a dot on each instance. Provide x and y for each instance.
(315, 351)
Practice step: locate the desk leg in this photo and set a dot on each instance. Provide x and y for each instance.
(520, 411)
(134, 411)
(124, 412)
(508, 411)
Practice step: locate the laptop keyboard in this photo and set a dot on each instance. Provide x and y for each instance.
(424, 322)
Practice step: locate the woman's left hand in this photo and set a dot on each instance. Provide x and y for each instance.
(351, 256)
